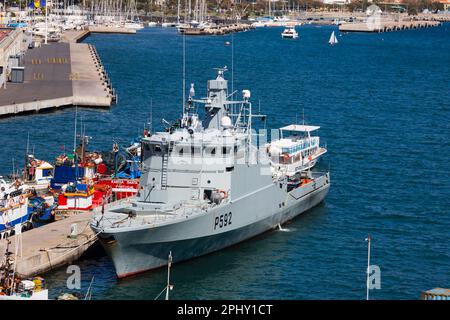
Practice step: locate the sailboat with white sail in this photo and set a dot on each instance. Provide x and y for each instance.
(333, 40)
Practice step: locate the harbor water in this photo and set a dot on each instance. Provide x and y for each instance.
(383, 104)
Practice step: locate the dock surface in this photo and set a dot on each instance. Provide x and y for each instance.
(49, 247)
(56, 75)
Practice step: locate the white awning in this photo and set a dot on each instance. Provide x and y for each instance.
(299, 128)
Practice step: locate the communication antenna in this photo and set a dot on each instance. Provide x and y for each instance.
(184, 69)
(13, 168)
(232, 61)
(75, 130)
(150, 122)
(28, 142)
(75, 146)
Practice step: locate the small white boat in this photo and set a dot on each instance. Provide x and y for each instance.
(13, 207)
(136, 25)
(289, 32)
(14, 288)
(38, 173)
(333, 40)
(167, 24)
(296, 150)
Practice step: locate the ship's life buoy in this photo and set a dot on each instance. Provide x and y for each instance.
(286, 156)
(305, 181)
(225, 194)
(11, 202)
(21, 199)
(310, 158)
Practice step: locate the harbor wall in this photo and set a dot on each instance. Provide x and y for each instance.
(386, 26)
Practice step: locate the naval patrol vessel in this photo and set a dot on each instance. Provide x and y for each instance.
(206, 185)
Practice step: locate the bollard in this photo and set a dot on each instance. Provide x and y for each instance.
(73, 230)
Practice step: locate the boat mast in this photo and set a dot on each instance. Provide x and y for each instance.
(178, 13)
(184, 70)
(75, 146)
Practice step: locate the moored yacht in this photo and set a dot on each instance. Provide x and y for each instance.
(289, 32)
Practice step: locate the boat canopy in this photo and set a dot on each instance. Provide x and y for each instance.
(299, 128)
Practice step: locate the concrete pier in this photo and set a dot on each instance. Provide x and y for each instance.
(50, 246)
(386, 26)
(74, 36)
(106, 29)
(57, 75)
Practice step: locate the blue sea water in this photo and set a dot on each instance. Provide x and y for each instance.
(383, 104)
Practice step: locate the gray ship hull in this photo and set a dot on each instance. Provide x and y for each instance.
(136, 251)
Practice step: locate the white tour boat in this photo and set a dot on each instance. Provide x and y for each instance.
(296, 150)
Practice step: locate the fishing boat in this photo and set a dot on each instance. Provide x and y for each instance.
(296, 150)
(42, 210)
(14, 288)
(87, 180)
(333, 40)
(38, 173)
(289, 32)
(82, 196)
(13, 211)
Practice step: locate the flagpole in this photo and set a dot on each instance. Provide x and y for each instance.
(46, 23)
(168, 275)
(368, 267)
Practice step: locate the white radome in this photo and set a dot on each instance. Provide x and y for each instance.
(246, 94)
(225, 122)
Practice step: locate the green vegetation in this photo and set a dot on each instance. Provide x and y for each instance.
(246, 8)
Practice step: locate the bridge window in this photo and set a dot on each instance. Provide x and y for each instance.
(196, 151)
(226, 151)
(210, 151)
